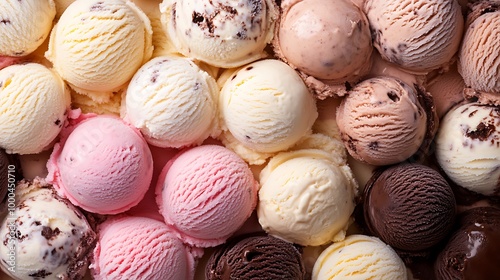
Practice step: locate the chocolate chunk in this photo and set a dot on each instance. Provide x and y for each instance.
(49, 233)
(482, 131)
(40, 274)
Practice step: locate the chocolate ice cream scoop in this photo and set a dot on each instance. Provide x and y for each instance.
(4, 174)
(472, 251)
(256, 257)
(409, 206)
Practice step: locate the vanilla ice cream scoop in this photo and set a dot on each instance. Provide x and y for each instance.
(478, 57)
(359, 257)
(326, 41)
(468, 147)
(97, 46)
(34, 105)
(382, 121)
(222, 33)
(265, 107)
(419, 35)
(24, 25)
(173, 102)
(306, 197)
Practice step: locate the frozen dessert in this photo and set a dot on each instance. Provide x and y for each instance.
(221, 33)
(140, 248)
(382, 121)
(471, 251)
(103, 165)
(328, 42)
(418, 35)
(97, 46)
(24, 25)
(256, 257)
(468, 147)
(51, 239)
(476, 61)
(86, 104)
(265, 108)
(205, 194)
(33, 110)
(446, 89)
(381, 67)
(306, 197)
(410, 207)
(173, 102)
(359, 257)
(5, 174)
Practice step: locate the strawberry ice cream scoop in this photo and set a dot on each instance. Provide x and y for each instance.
(103, 165)
(206, 193)
(140, 248)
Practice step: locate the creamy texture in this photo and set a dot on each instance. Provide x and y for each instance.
(97, 46)
(223, 33)
(410, 207)
(382, 121)
(359, 257)
(173, 102)
(418, 35)
(305, 197)
(103, 166)
(206, 193)
(54, 239)
(468, 147)
(325, 39)
(256, 257)
(479, 63)
(140, 248)
(24, 25)
(266, 107)
(447, 90)
(34, 106)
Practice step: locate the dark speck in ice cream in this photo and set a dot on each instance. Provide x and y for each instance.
(40, 274)
(373, 145)
(5, 21)
(49, 233)
(482, 131)
(248, 69)
(393, 96)
(97, 7)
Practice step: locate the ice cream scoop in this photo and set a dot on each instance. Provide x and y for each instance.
(418, 35)
(103, 165)
(265, 108)
(173, 102)
(382, 121)
(468, 147)
(477, 64)
(471, 251)
(306, 197)
(256, 257)
(34, 107)
(361, 257)
(221, 33)
(446, 89)
(410, 207)
(24, 25)
(140, 248)
(206, 193)
(329, 43)
(97, 46)
(48, 236)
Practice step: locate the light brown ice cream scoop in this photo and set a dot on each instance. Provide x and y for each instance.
(328, 42)
(419, 35)
(479, 60)
(383, 121)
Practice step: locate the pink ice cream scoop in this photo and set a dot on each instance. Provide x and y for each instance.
(206, 193)
(103, 165)
(140, 248)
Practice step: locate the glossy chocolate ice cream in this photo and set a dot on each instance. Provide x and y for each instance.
(257, 257)
(409, 206)
(472, 251)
